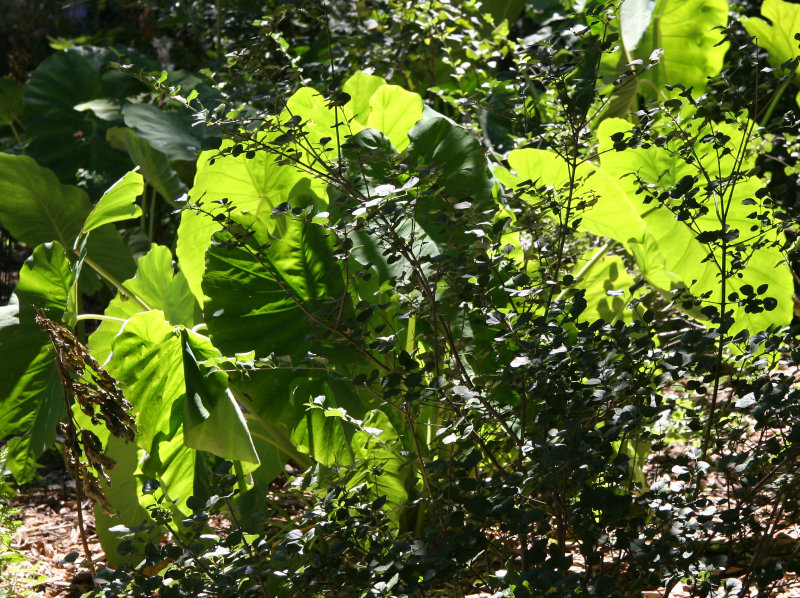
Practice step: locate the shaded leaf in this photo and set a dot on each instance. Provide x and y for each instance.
(258, 304)
(31, 398)
(168, 132)
(37, 208)
(154, 165)
(66, 139)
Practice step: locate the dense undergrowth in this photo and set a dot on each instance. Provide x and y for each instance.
(504, 294)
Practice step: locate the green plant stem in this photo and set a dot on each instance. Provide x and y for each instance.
(100, 317)
(418, 451)
(572, 165)
(276, 439)
(587, 267)
(14, 131)
(142, 216)
(302, 460)
(773, 103)
(240, 483)
(120, 287)
(153, 216)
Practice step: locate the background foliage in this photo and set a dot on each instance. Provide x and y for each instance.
(502, 296)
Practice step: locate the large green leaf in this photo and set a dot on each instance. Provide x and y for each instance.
(609, 212)
(65, 138)
(174, 465)
(210, 407)
(607, 286)
(122, 493)
(388, 108)
(255, 186)
(634, 20)
(460, 160)
(273, 411)
(360, 87)
(33, 403)
(154, 165)
(117, 203)
(260, 184)
(159, 372)
(776, 31)
(261, 304)
(460, 183)
(147, 360)
(31, 396)
(157, 286)
(508, 10)
(323, 431)
(45, 280)
(688, 32)
(168, 132)
(37, 208)
(692, 261)
(394, 111)
(377, 443)
(652, 263)
(123, 496)
(320, 121)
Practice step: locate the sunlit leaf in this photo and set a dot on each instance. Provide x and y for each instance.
(634, 19)
(776, 31)
(117, 203)
(394, 111)
(256, 186)
(157, 286)
(685, 256)
(210, 407)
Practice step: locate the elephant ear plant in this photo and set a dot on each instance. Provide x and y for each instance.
(467, 369)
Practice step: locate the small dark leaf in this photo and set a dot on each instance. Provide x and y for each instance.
(150, 486)
(281, 210)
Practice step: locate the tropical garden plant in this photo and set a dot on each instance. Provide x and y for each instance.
(466, 304)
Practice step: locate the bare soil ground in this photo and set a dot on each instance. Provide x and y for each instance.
(49, 533)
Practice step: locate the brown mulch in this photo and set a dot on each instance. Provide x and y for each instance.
(50, 532)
